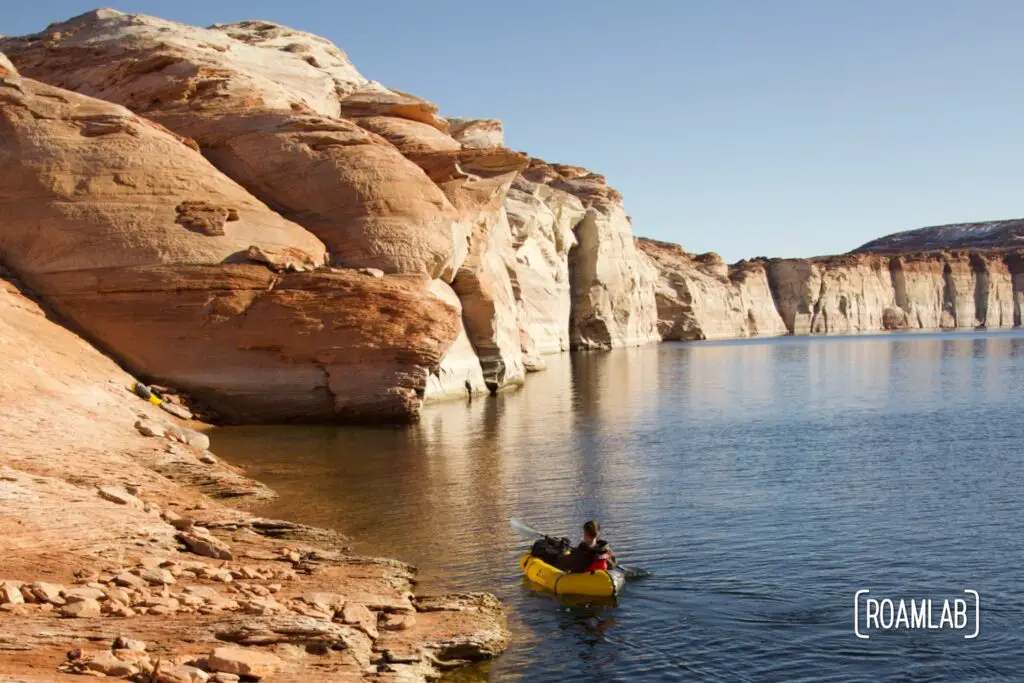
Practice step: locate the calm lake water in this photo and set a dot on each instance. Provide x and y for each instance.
(764, 483)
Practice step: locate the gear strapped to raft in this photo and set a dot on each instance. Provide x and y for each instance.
(553, 551)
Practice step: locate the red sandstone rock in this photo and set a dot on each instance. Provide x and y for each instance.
(265, 104)
(94, 226)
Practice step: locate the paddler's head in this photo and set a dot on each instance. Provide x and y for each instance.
(591, 530)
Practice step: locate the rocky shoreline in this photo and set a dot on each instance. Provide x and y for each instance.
(124, 555)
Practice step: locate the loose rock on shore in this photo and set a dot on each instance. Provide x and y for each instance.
(100, 530)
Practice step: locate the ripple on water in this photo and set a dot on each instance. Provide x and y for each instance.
(763, 482)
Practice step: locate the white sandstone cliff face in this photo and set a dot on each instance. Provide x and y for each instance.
(542, 220)
(700, 297)
(867, 292)
(1015, 265)
(955, 289)
(612, 284)
(476, 182)
(841, 297)
(459, 374)
(489, 305)
(996, 304)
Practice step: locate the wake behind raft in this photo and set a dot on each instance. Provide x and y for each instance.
(539, 565)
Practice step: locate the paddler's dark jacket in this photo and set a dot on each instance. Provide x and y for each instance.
(583, 557)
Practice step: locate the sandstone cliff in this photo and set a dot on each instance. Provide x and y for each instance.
(867, 292)
(542, 220)
(266, 106)
(700, 297)
(265, 103)
(611, 284)
(342, 251)
(477, 133)
(477, 181)
(541, 260)
(134, 236)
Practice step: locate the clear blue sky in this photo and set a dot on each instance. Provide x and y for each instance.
(746, 127)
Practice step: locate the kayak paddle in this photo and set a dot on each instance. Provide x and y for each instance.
(527, 531)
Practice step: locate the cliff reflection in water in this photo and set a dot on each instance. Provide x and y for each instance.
(568, 446)
(441, 493)
(735, 470)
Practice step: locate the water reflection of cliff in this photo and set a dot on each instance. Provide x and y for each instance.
(697, 458)
(410, 490)
(591, 425)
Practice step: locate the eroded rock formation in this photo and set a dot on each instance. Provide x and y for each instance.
(317, 346)
(134, 236)
(700, 297)
(459, 373)
(611, 284)
(378, 176)
(265, 103)
(542, 220)
(476, 181)
(360, 252)
(867, 292)
(841, 294)
(122, 559)
(477, 132)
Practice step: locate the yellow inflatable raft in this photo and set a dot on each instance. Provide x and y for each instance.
(598, 583)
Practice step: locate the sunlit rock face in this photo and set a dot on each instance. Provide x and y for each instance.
(149, 250)
(700, 297)
(868, 292)
(611, 285)
(541, 256)
(267, 105)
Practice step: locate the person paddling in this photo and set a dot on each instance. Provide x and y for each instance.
(592, 554)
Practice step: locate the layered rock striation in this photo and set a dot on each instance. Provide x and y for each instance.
(293, 241)
(540, 256)
(868, 292)
(576, 227)
(134, 236)
(123, 560)
(699, 297)
(265, 104)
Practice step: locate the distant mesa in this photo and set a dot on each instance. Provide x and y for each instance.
(1006, 234)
